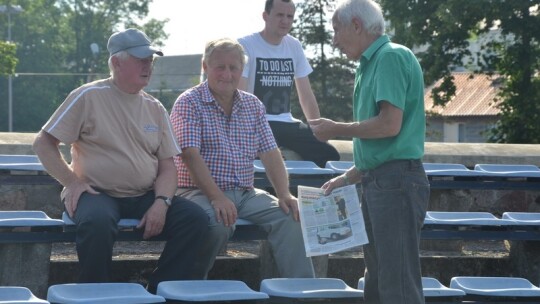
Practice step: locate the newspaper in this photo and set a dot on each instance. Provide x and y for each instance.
(330, 223)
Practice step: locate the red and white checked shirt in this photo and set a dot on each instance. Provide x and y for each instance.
(228, 145)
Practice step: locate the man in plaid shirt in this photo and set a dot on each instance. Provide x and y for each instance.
(221, 130)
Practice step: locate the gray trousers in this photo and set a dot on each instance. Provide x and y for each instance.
(284, 233)
(394, 200)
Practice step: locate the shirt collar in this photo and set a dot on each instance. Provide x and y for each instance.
(375, 46)
(207, 96)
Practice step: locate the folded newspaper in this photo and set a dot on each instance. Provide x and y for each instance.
(330, 223)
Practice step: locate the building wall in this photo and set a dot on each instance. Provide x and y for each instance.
(460, 129)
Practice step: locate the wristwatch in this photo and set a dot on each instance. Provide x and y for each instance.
(167, 200)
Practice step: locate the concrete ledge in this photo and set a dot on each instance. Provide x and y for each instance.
(467, 154)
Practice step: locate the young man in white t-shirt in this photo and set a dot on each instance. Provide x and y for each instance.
(276, 61)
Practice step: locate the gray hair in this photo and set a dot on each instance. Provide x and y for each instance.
(224, 44)
(122, 55)
(368, 12)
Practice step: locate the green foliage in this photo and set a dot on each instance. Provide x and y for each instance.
(8, 61)
(333, 76)
(441, 31)
(53, 39)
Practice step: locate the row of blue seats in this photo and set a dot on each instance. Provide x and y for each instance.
(32, 163)
(282, 290)
(438, 225)
(31, 218)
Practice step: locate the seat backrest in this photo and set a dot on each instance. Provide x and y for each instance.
(20, 163)
(464, 218)
(305, 167)
(19, 295)
(122, 224)
(431, 288)
(27, 218)
(313, 288)
(339, 166)
(101, 293)
(208, 291)
(505, 170)
(523, 218)
(496, 286)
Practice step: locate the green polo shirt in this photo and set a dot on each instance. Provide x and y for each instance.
(389, 72)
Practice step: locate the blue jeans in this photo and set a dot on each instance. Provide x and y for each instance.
(394, 200)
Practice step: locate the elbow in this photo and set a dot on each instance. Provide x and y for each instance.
(44, 142)
(393, 131)
(38, 143)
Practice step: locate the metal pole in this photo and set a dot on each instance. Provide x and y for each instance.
(10, 104)
(8, 9)
(10, 80)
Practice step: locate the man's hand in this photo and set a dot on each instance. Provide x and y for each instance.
(153, 220)
(332, 184)
(322, 128)
(289, 204)
(73, 192)
(225, 211)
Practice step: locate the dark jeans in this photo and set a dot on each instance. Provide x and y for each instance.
(96, 218)
(299, 138)
(394, 199)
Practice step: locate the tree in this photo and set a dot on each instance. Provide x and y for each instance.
(53, 39)
(333, 76)
(443, 29)
(8, 61)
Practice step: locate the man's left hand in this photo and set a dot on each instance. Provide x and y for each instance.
(153, 220)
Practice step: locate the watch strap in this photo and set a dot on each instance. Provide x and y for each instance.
(166, 199)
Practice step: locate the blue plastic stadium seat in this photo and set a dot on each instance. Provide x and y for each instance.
(101, 293)
(496, 287)
(339, 166)
(27, 218)
(20, 162)
(208, 290)
(305, 167)
(19, 295)
(432, 289)
(444, 169)
(122, 224)
(307, 288)
(125, 223)
(523, 218)
(464, 218)
(258, 166)
(509, 170)
(301, 167)
(435, 289)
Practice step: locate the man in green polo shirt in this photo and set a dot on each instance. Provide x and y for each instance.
(388, 145)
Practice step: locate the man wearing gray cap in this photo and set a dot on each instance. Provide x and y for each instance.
(122, 149)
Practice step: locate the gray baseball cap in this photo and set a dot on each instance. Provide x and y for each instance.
(133, 41)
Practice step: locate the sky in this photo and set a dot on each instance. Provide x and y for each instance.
(193, 23)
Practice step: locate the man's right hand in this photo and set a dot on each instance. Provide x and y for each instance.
(225, 211)
(336, 182)
(73, 192)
